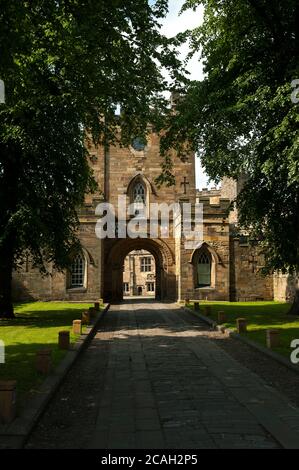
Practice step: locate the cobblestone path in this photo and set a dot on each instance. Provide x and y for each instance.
(152, 378)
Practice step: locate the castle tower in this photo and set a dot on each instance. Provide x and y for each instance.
(132, 173)
(230, 188)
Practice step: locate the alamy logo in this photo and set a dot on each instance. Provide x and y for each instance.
(295, 354)
(139, 220)
(295, 93)
(2, 92)
(2, 352)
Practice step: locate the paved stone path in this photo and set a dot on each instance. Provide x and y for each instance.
(152, 378)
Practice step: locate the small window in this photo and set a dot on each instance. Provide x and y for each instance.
(139, 143)
(126, 287)
(150, 286)
(204, 270)
(77, 271)
(145, 264)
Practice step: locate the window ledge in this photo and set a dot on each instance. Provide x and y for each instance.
(205, 288)
(76, 289)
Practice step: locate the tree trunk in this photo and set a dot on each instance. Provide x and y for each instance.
(10, 161)
(294, 310)
(6, 269)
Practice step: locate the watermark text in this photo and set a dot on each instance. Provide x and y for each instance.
(140, 220)
(295, 93)
(295, 354)
(2, 352)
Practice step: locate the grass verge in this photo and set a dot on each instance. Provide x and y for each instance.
(35, 327)
(260, 317)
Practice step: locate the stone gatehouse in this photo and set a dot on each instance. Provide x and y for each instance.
(224, 267)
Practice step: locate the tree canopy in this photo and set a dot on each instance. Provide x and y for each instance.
(241, 119)
(66, 65)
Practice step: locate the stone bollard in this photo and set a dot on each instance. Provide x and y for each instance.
(241, 325)
(64, 339)
(196, 306)
(92, 312)
(7, 401)
(44, 361)
(221, 317)
(207, 310)
(85, 317)
(97, 306)
(273, 339)
(77, 327)
(101, 301)
(187, 301)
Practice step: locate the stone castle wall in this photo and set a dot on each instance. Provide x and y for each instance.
(284, 286)
(29, 284)
(247, 284)
(216, 239)
(117, 167)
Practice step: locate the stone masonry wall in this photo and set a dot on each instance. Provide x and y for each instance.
(285, 286)
(248, 284)
(28, 284)
(216, 238)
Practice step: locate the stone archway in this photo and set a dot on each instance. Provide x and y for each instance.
(115, 254)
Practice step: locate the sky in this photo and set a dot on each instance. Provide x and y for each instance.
(175, 23)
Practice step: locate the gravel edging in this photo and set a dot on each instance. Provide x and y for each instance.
(14, 435)
(271, 354)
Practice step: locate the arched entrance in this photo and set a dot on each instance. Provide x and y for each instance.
(115, 253)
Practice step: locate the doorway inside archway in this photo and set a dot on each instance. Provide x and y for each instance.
(139, 275)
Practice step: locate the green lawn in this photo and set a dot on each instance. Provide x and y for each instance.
(36, 327)
(260, 316)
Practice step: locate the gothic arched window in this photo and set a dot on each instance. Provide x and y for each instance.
(204, 269)
(139, 193)
(77, 271)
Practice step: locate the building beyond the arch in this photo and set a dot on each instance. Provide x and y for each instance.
(224, 267)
